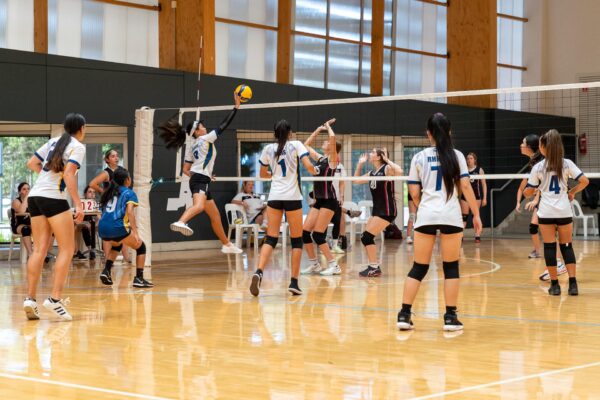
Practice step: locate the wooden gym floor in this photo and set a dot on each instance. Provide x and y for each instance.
(200, 334)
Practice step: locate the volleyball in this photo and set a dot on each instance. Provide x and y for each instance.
(244, 92)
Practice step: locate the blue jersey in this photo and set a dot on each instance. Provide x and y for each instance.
(114, 222)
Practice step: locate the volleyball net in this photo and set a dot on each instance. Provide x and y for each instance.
(491, 124)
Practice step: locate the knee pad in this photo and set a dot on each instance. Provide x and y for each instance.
(534, 229)
(141, 250)
(296, 242)
(568, 255)
(367, 238)
(418, 271)
(306, 238)
(465, 217)
(271, 241)
(319, 238)
(451, 269)
(26, 231)
(117, 248)
(413, 217)
(550, 254)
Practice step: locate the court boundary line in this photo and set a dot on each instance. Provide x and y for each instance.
(83, 387)
(505, 381)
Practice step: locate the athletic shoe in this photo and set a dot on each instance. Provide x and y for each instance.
(58, 308)
(313, 268)
(477, 239)
(404, 322)
(31, 309)
(105, 277)
(409, 240)
(337, 250)
(182, 228)
(142, 283)
(332, 270)
(231, 249)
(92, 255)
(534, 254)
(354, 213)
(573, 290)
(451, 323)
(294, 288)
(370, 272)
(554, 290)
(255, 285)
(560, 270)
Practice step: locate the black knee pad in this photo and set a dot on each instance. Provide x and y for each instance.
(465, 217)
(534, 229)
(451, 269)
(550, 254)
(296, 242)
(118, 248)
(26, 231)
(319, 238)
(306, 238)
(271, 241)
(568, 255)
(418, 271)
(367, 238)
(141, 250)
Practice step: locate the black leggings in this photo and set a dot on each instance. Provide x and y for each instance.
(336, 220)
(89, 234)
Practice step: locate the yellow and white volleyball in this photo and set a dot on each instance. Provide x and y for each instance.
(244, 92)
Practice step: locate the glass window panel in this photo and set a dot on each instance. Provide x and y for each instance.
(509, 77)
(309, 61)
(365, 83)
(16, 24)
(388, 22)
(311, 16)
(342, 71)
(254, 57)
(421, 26)
(262, 12)
(92, 30)
(344, 19)
(367, 20)
(387, 72)
(510, 42)
(441, 75)
(511, 7)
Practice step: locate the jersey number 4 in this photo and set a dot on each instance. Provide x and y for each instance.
(554, 185)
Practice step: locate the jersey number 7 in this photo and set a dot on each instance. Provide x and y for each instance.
(438, 178)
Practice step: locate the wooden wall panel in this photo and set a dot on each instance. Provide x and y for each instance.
(166, 35)
(377, 48)
(284, 40)
(40, 26)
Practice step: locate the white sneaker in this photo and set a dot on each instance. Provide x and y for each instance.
(182, 228)
(313, 268)
(560, 270)
(332, 270)
(231, 249)
(337, 249)
(58, 308)
(409, 240)
(31, 309)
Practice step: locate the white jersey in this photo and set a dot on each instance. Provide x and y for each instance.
(51, 184)
(339, 171)
(254, 202)
(554, 200)
(285, 184)
(201, 153)
(435, 208)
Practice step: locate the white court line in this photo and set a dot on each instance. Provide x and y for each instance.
(505, 381)
(84, 387)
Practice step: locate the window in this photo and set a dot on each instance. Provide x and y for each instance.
(510, 51)
(97, 142)
(16, 24)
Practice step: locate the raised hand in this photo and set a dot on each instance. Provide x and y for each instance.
(363, 158)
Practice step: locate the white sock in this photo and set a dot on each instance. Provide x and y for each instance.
(332, 263)
(374, 265)
(312, 260)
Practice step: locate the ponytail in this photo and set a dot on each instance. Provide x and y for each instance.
(282, 133)
(73, 124)
(555, 152)
(173, 134)
(439, 128)
(119, 178)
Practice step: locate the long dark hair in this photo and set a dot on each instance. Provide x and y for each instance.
(439, 127)
(533, 142)
(173, 133)
(282, 133)
(555, 152)
(119, 178)
(73, 124)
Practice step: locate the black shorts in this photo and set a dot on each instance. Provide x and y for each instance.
(117, 239)
(46, 206)
(444, 229)
(388, 218)
(287, 205)
(199, 184)
(330, 204)
(555, 221)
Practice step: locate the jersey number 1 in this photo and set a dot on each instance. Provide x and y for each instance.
(283, 167)
(554, 185)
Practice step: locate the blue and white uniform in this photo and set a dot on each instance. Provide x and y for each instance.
(285, 183)
(115, 221)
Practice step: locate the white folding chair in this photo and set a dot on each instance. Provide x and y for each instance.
(366, 206)
(578, 215)
(233, 212)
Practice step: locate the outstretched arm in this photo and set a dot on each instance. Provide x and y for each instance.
(225, 123)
